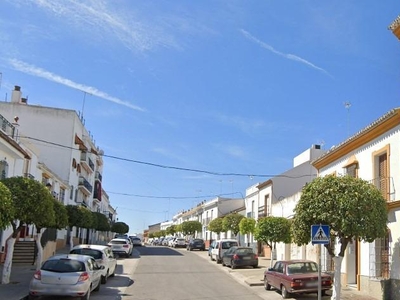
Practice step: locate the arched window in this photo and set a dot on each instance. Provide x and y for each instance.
(3, 169)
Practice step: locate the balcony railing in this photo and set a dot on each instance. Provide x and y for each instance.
(85, 185)
(98, 176)
(85, 160)
(7, 127)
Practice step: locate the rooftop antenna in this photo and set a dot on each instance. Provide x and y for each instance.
(83, 103)
(347, 106)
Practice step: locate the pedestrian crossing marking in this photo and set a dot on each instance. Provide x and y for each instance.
(320, 235)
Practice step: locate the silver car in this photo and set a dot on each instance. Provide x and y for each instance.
(66, 275)
(102, 254)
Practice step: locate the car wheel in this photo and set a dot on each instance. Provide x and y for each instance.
(233, 265)
(255, 266)
(217, 260)
(323, 293)
(267, 286)
(285, 293)
(97, 288)
(87, 295)
(31, 297)
(104, 278)
(211, 257)
(223, 264)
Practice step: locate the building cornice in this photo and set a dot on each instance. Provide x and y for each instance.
(372, 131)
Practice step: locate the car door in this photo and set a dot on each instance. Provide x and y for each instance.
(274, 277)
(214, 251)
(227, 257)
(112, 261)
(95, 272)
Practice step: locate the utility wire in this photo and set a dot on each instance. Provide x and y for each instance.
(173, 167)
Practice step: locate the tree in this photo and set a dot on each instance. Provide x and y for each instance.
(354, 209)
(171, 230)
(190, 227)
(231, 222)
(32, 205)
(7, 210)
(76, 218)
(247, 226)
(216, 226)
(101, 222)
(61, 215)
(120, 228)
(272, 230)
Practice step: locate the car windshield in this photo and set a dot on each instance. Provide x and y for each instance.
(227, 245)
(63, 266)
(96, 254)
(244, 251)
(302, 268)
(197, 241)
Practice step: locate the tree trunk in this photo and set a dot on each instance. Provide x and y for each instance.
(71, 239)
(39, 258)
(5, 279)
(337, 278)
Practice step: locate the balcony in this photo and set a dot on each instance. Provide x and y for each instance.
(86, 162)
(97, 192)
(7, 127)
(98, 176)
(85, 186)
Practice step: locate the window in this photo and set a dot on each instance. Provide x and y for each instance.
(380, 258)
(351, 170)
(382, 172)
(62, 195)
(3, 169)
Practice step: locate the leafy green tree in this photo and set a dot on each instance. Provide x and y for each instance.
(190, 227)
(61, 215)
(178, 228)
(151, 235)
(101, 222)
(120, 228)
(32, 204)
(353, 208)
(216, 226)
(76, 218)
(231, 222)
(272, 230)
(247, 226)
(171, 230)
(7, 210)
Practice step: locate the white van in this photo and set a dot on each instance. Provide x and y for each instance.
(220, 247)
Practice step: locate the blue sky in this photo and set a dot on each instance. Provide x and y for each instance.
(219, 86)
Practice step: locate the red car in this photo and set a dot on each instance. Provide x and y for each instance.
(296, 277)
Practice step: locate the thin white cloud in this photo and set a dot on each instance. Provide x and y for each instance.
(245, 125)
(107, 20)
(39, 72)
(285, 55)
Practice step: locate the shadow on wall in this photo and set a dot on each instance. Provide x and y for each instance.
(391, 287)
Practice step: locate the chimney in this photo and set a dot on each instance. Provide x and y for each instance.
(16, 94)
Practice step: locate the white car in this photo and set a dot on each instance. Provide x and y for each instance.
(179, 242)
(102, 254)
(136, 241)
(220, 247)
(66, 275)
(121, 247)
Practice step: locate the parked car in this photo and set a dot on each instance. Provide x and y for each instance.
(296, 277)
(121, 247)
(171, 242)
(136, 241)
(196, 244)
(221, 246)
(212, 246)
(179, 243)
(240, 257)
(66, 275)
(103, 256)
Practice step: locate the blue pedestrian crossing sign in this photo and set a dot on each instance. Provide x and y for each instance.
(320, 234)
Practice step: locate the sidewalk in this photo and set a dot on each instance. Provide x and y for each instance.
(21, 275)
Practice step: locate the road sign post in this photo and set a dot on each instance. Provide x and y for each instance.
(320, 234)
